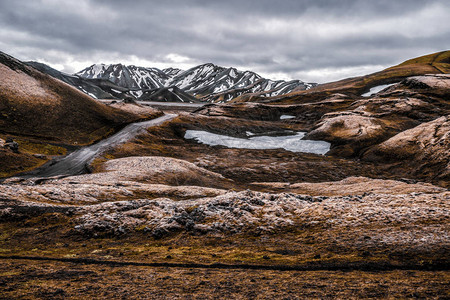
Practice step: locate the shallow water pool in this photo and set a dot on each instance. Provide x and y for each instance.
(293, 143)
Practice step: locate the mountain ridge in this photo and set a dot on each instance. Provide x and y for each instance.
(207, 82)
(434, 63)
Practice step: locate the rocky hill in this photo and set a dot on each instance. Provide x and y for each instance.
(36, 106)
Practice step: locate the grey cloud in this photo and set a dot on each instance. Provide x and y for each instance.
(288, 37)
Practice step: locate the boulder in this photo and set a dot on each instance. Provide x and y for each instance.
(11, 144)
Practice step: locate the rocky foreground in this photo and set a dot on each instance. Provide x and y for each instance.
(419, 211)
(132, 211)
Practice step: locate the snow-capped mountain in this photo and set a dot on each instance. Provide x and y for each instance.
(214, 83)
(207, 82)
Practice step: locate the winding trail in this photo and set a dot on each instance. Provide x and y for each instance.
(76, 162)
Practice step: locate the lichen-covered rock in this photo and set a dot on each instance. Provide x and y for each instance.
(260, 213)
(440, 83)
(78, 193)
(96, 208)
(343, 127)
(355, 186)
(152, 169)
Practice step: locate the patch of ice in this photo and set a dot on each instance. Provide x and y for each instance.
(377, 89)
(293, 143)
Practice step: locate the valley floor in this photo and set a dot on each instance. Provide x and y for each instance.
(164, 217)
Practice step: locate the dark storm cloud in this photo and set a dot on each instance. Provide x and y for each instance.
(311, 40)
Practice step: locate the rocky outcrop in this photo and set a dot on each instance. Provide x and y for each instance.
(152, 169)
(352, 131)
(418, 217)
(258, 213)
(424, 148)
(124, 178)
(368, 122)
(354, 186)
(11, 144)
(138, 194)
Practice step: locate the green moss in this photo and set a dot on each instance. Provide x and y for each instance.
(32, 147)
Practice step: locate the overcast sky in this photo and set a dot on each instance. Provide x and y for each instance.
(310, 40)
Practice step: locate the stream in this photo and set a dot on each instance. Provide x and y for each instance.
(76, 162)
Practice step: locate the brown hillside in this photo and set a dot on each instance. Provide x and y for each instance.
(39, 112)
(35, 104)
(436, 63)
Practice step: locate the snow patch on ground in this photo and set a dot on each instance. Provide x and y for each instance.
(377, 89)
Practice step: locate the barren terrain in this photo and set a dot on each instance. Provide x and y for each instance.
(161, 216)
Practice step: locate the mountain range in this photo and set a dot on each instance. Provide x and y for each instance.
(207, 82)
